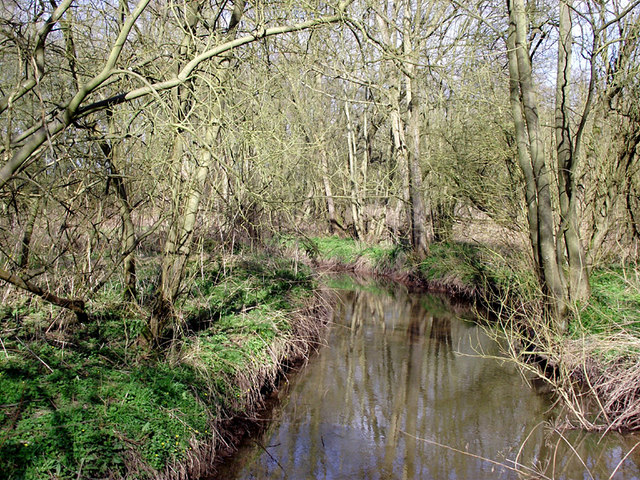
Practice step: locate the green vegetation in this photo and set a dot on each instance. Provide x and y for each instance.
(465, 268)
(89, 401)
(453, 261)
(343, 250)
(614, 304)
(475, 269)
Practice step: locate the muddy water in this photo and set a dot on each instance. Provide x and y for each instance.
(406, 388)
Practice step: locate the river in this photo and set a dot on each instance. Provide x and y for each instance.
(409, 386)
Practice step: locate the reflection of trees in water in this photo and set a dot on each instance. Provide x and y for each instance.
(441, 332)
(390, 368)
(414, 378)
(417, 324)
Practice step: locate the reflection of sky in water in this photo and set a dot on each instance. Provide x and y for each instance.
(399, 373)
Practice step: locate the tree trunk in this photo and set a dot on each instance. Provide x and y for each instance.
(552, 281)
(183, 218)
(178, 245)
(402, 214)
(128, 236)
(402, 161)
(128, 230)
(524, 160)
(579, 289)
(419, 240)
(356, 215)
(331, 208)
(112, 153)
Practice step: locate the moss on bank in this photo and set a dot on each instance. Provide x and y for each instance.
(85, 401)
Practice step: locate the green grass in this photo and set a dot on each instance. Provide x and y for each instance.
(245, 284)
(614, 304)
(451, 260)
(70, 411)
(98, 403)
(343, 250)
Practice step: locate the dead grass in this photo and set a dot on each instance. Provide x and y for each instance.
(608, 367)
(594, 377)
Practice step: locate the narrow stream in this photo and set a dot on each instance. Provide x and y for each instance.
(409, 387)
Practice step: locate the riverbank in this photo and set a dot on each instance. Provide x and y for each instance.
(593, 367)
(88, 401)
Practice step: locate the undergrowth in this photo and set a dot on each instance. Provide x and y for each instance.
(85, 401)
(614, 304)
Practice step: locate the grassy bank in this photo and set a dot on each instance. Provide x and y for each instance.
(593, 367)
(86, 401)
(460, 269)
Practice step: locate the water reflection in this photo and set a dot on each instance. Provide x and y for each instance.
(401, 378)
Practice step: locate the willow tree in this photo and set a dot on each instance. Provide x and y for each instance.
(554, 225)
(535, 168)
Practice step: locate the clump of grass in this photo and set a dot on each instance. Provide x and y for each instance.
(239, 356)
(343, 251)
(244, 284)
(346, 250)
(614, 304)
(480, 273)
(452, 263)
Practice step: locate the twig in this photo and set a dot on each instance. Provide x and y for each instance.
(35, 355)
(518, 468)
(271, 456)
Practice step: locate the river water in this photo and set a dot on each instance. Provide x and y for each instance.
(410, 387)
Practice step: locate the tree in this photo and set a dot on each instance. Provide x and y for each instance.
(78, 86)
(551, 244)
